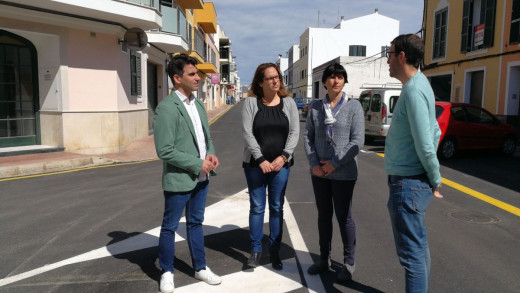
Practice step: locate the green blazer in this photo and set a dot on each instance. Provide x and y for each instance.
(176, 143)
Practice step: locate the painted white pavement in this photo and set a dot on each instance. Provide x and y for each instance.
(263, 279)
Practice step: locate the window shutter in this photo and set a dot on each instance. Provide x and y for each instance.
(514, 35)
(135, 73)
(138, 74)
(489, 22)
(466, 27)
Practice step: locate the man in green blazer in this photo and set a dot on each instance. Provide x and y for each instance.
(183, 142)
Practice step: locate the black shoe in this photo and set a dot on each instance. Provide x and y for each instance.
(343, 275)
(275, 260)
(321, 266)
(254, 259)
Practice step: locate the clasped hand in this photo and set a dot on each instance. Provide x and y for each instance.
(210, 163)
(275, 165)
(325, 169)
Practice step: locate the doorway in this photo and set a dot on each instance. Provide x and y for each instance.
(19, 102)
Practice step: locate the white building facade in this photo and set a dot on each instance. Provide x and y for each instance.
(364, 36)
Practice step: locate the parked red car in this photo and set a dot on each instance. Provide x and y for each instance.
(466, 126)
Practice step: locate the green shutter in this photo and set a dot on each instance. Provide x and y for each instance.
(489, 21)
(466, 28)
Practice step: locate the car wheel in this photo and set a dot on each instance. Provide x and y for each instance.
(508, 146)
(447, 148)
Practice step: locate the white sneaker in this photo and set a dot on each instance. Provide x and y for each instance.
(208, 276)
(167, 283)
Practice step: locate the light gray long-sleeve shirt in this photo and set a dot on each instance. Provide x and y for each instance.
(251, 146)
(349, 137)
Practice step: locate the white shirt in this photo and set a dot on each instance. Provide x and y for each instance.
(191, 108)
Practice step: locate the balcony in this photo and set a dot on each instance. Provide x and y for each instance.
(143, 14)
(191, 4)
(207, 67)
(172, 37)
(207, 18)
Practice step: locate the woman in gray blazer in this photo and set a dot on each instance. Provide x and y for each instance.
(334, 134)
(271, 128)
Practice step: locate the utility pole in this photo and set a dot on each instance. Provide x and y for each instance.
(318, 18)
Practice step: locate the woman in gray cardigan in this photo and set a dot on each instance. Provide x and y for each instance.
(334, 134)
(270, 128)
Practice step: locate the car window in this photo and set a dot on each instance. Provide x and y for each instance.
(458, 113)
(365, 101)
(438, 111)
(298, 100)
(477, 115)
(376, 103)
(307, 100)
(392, 102)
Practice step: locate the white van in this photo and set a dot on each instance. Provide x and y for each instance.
(378, 101)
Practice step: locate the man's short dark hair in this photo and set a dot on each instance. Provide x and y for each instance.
(412, 46)
(334, 69)
(177, 63)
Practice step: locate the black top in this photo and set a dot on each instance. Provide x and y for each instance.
(271, 129)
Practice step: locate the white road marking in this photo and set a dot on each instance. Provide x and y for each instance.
(235, 208)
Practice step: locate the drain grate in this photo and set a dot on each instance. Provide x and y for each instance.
(472, 217)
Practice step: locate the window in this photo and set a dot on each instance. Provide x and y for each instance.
(476, 115)
(135, 73)
(384, 49)
(392, 102)
(458, 113)
(514, 35)
(478, 24)
(376, 103)
(357, 50)
(439, 39)
(365, 101)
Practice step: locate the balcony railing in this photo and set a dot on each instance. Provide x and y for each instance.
(151, 3)
(213, 58)
(224, 54)
(198, 43)
(174, 21)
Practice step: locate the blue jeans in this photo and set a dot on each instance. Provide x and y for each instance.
(276, 183)
(194, 202)
(409, 198)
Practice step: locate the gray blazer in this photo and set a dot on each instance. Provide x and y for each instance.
(349, 136)
(251, 146)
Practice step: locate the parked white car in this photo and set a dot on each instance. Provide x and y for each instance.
(378, 101)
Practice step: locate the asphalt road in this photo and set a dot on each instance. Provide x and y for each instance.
(96, 230)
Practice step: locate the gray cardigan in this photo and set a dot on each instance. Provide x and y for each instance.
(349, 136)
(251, 146)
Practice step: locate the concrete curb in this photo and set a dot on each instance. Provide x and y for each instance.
(59, 165)
(53, 166)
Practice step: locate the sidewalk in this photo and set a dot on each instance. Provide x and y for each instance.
(139, 150)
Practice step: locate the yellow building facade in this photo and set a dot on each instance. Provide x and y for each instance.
(472, 53)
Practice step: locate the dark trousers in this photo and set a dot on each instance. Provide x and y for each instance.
(335, 196)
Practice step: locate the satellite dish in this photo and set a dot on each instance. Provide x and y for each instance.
(135, 39)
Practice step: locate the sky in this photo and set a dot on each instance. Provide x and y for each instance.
(259, 30)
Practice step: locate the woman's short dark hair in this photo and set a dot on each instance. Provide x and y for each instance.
(256, 89)
(334, 69)
(412, 46)
(177, 63)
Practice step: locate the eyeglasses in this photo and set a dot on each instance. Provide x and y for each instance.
(388, 53)
(272, 79)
